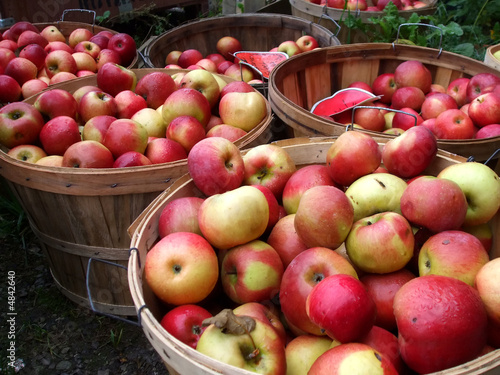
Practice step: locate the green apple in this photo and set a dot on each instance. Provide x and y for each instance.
(375, 193)
(244, 110)
(204, 82)
(496, 55)
(481, 187)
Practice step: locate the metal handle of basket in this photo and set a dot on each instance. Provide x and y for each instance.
(326, 15)
(92, 12)
(91, 302)
(421, 24)
(380, 108)
(495, 153)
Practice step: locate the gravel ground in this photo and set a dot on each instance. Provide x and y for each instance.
(52, 335)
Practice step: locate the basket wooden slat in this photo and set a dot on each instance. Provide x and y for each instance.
(491, 60)
(80, 214)
(181, 359)
(256, 32)
(299, 82)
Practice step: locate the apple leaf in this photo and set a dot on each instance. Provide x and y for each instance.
(228, 322)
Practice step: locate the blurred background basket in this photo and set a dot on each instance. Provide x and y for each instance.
(78, 214)
(178, 357)
(299, 82)
(490, 59)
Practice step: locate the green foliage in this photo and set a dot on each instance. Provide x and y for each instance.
(463, 26)
(14, 224)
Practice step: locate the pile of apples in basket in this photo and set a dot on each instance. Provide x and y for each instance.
(366, 263)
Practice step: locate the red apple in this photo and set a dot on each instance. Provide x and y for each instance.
(485, 109)
(131, 159)
(370, 119)
(227, 46)
(21, 69)
(274, 208)
(457, 89)
(101, 41)
(186, 101)
(35, 53)
(128, 103)
(10, 90)
(290, 47)
(307, 43)
(481, 83)
(386, 343)
(56, 46)
(204, 82)
(454, 124)
(384, 85)
(126, 47)
(33, 87)
(164, 150)
(5, 56)
(27, 153)
(17, 28)
(88, 47)
(107, 55)
(60, 61)
(488, 131)
(56, 102)
(79, 34)
(96, 103)
(437, 103)
(186, 130)
(303, 350)
(155, 88)
(20, 123)
(189, 57)
(58, 134)
(245, 110)
(180, 215)
(125, 135)
(408, 97)
(239, 72)
(61, 77)
(84, 62)
(172, 57)
(87, 154)
(113, 78)
(225, 131)
(96, 127)
(413, 73)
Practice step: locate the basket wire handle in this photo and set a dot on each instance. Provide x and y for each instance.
(325, 14)
(421, 24)
(351, 125)
(92, 12)
(91, 302)
(495, 153)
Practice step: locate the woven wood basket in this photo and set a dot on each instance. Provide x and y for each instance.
(181, 359)
(321, 14)
(256, 32)
(491, 60)
(296, 84)
(79, 214)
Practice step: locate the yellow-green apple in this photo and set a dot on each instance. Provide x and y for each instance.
(172, 57)
(306, 270)
(457, 89)
(208, 65)
(79, 34)
(164, 150)
(324, 216)
(152, 120)
(384, 86)
(125, 135)
(481, 83)
(50, 161)
(180, 215)
(125, 45)
(84, 62)
(20, 123)
(408, 97)
(413, 73)
(227, 46)
(303, 350)
(204, 82)
(96, 103)
(186, 101)
(131, 159)
(380, 243)
(101, 40)
(216, 166)
(225, 131)
(383, 288)
(88, 47)
(409, 154)
(290, 47)
(128, 103)
(284, 239)
(87, 154)
(274, 207)
(265, 311)
(437, 103)
(113, 78)
(268, 165)
(181, 268)
(26, 152)
(259, 350)
(300, 181)
(52, 33)
(155, 87)
(239, 72)
(352, 155)
(32, 87)
(58, 134)
(21, 69)
(185, 323)
(186, 130)
(375, 193)
(485, 109)
(481, 187)
(482, 232)
(487, 283)
(452, 253)
(352, 358)
(307, 43)
(331, 303)
(234, 217)
(488, 131)
(107, 55)
(60, 61)
(31, 37)
(56, 45)
(220, 80)
(370, 119)
(251, 272)
(437, 204)
(10, 89)
(95, 128)
(56, 102)
(441, 323)
(189, 57)
(35, 53)
(244, 110)
(389, 117)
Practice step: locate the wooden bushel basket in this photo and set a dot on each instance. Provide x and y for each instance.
(299, 82)
(491, 60)
(181, 359)
(79, 214)
(319, 14)
(256, 32)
